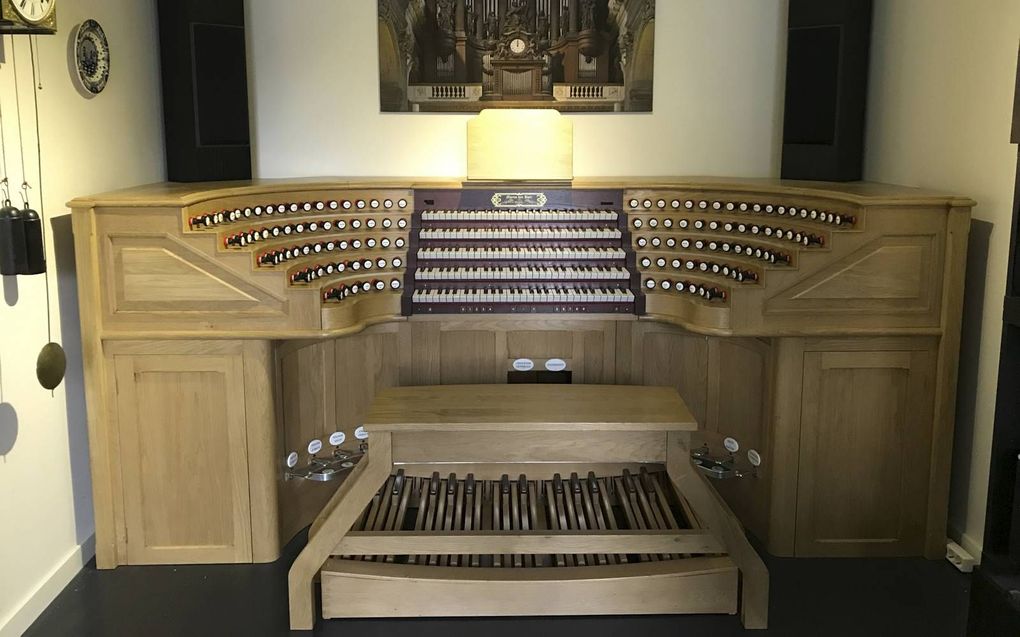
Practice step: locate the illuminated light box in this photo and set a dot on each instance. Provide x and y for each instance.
(520, 145)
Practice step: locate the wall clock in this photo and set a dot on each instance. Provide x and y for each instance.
(92, 57)
(28, 16)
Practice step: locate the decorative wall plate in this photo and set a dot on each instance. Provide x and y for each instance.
(92, 56)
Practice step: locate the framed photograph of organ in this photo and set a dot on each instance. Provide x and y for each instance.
(468, 55)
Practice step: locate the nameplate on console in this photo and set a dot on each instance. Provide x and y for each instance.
(519, 199)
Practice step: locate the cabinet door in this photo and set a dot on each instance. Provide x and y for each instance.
(184, 458)
(864, 453)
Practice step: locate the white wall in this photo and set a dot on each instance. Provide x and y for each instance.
(88, 145)
(942, 79)
(718, 98)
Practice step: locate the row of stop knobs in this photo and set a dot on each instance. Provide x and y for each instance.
(345, 290)
(707, 292)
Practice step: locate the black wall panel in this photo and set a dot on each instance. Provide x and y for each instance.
(205, 89)
(826, 89)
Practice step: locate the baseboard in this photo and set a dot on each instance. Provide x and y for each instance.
(967, 542)
(36, 602)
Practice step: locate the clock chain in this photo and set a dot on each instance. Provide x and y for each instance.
(33, 41)
(36, 87)
(3, 153)
(21, 129)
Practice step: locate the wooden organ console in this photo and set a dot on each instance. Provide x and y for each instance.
(229, 329)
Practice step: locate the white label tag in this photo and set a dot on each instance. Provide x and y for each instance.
(360, 433)
(556, 364)
(292, 459)
(315, 446)
(731, 445)
(337, 438)
(754, 458)
(524, 364)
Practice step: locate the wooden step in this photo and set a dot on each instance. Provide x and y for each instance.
(376, 589)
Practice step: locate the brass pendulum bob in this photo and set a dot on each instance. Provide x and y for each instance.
(51, 365)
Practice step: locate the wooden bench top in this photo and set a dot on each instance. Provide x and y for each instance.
(529, 408)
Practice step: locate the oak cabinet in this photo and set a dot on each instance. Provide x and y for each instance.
(865, 441)
(184, 458)
(195, 475)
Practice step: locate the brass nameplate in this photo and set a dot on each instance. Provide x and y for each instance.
(519, 199)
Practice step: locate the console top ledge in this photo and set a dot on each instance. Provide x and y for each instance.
(169, 194)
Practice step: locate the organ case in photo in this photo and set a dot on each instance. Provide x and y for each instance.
(466, 55)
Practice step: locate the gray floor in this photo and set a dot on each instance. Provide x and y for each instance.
(810, 598)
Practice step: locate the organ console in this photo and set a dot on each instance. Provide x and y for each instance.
(227, 326)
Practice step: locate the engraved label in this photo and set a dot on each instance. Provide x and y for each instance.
(524, 364)
(555, 364)
(519, 199)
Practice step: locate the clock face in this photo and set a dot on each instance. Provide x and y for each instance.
(34, 11)
(92, 56)
(517, 45)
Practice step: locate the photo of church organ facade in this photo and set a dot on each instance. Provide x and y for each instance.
(466, 55)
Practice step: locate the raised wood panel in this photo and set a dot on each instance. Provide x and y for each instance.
(470, 357)
(893, 274)
(365, 365)
(419, 353)
(889, 272)
(154, 274)
(526, 446)
(670, 357)
(160, 274)
(739, 386)
(536, 344)
(370, 589)
(308, 394)
(865, 440)
(184, 458)
(599, 363)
